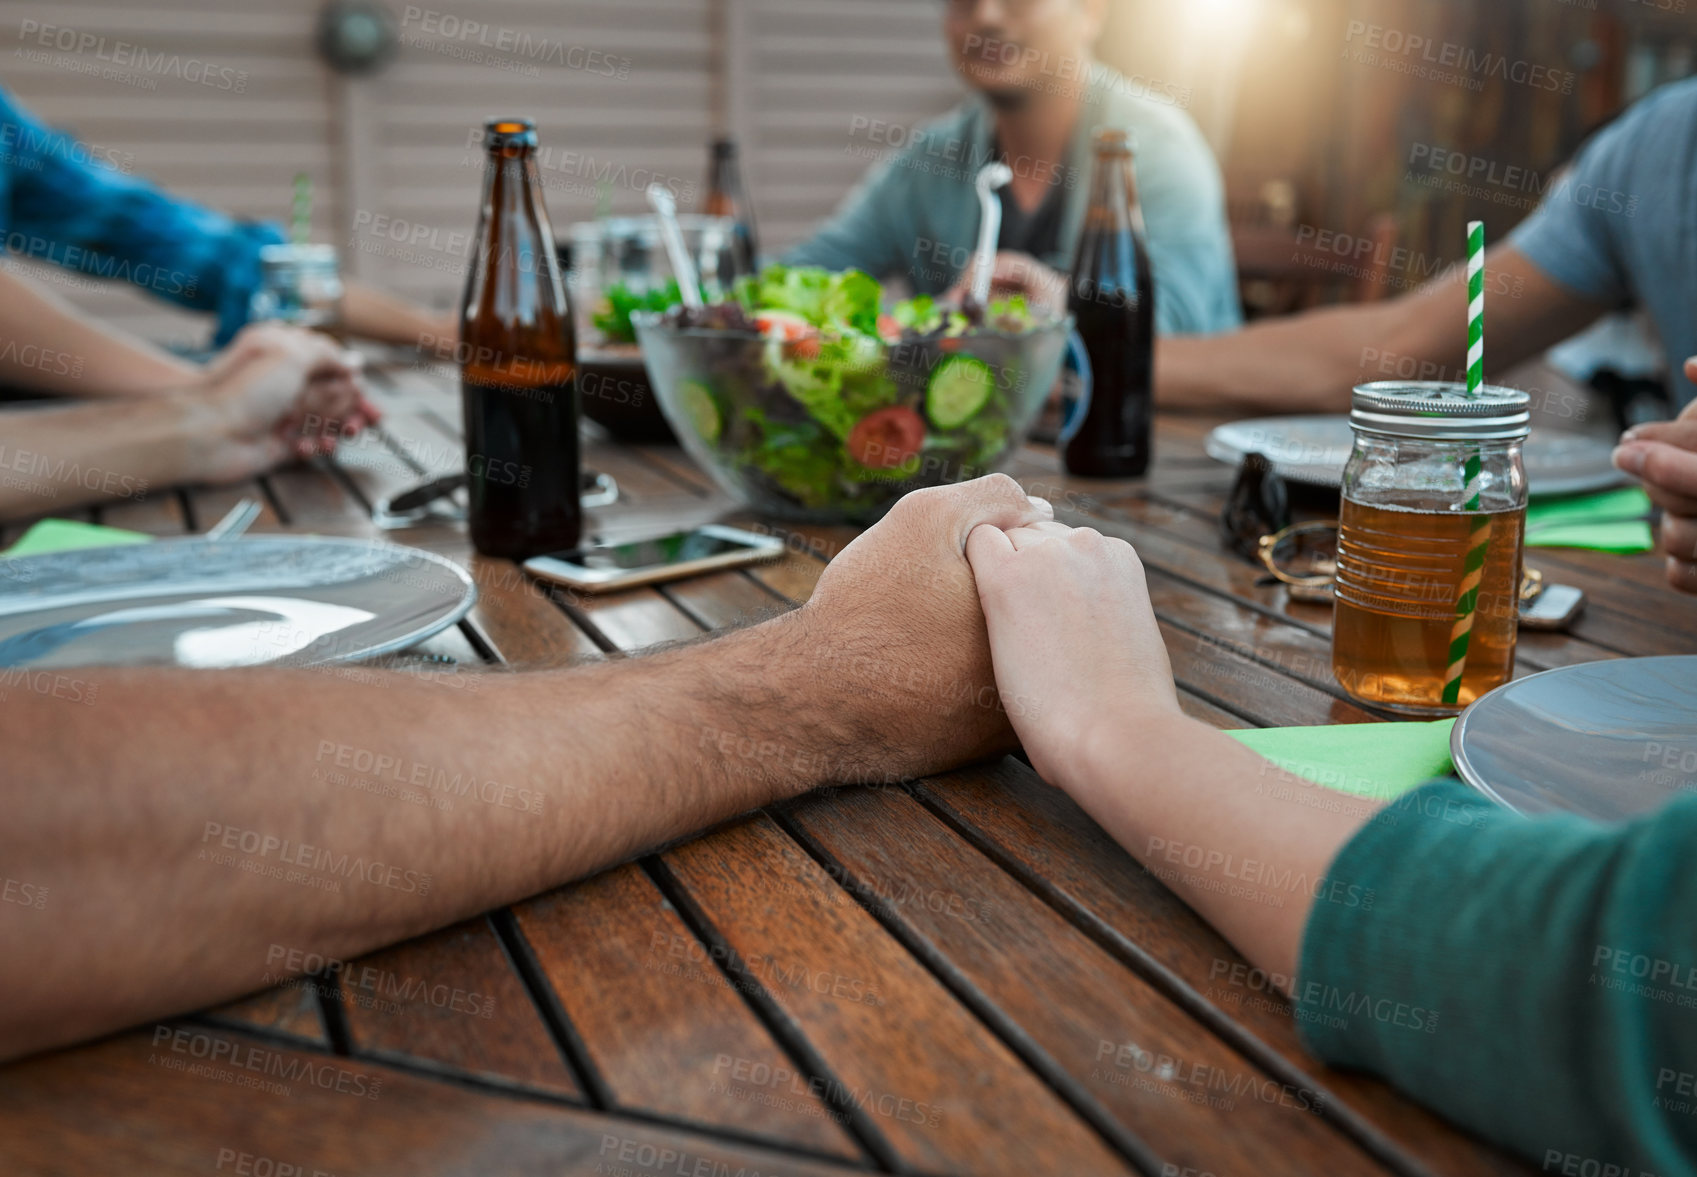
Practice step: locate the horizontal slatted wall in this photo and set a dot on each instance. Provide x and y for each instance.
(624, 91)
(827, 86)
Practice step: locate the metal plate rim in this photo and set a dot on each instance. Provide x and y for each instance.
(394, 645)
(1458, 734)
(1222, 451)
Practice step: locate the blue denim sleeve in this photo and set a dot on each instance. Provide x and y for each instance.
(76, 205)
(1532, 979)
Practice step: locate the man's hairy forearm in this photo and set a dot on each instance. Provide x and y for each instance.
(1305, 363)
(371, 314)
(297, 808)
(1310, 362)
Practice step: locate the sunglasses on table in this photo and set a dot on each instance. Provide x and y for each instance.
(1255, 524)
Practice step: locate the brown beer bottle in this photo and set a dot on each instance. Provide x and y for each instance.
(1112, 300)
(726, 198)
(518, 364)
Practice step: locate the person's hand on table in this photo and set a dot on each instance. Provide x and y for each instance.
(278, 392)
(894, 638)
(1045, 289)
(1663, 456)
(1073, 636)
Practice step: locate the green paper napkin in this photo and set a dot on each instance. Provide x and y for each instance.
(65, 535)
(1607, 521)
(1378, 760)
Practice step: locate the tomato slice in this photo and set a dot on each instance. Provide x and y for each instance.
(887, 438)
(782, 325)
(889, 330)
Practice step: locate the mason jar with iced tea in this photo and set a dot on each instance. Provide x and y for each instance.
(1429, 545)
(299, 284)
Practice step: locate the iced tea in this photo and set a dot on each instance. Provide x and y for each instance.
(1399, 573)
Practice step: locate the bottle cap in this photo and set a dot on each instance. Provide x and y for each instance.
(1438, 410)
(1113, 140)
(502, 132)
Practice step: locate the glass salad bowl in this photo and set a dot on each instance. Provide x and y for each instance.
(835, 428)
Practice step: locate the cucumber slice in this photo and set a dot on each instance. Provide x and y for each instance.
(959, 387)
(701, 410)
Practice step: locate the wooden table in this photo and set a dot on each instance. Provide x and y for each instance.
(960, 976)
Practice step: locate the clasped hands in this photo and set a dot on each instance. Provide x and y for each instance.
(274, 393)
(968, 616)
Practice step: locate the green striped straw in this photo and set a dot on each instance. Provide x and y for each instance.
(1480, 539)
(300, 220)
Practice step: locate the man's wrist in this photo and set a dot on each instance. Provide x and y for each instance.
(769, 721)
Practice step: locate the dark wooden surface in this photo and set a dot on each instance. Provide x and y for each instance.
(937, 978)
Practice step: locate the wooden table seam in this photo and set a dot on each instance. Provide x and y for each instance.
(1069, 1090)
(790, 1036)
(1140, 961)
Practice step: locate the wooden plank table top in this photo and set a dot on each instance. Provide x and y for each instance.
(961, 975)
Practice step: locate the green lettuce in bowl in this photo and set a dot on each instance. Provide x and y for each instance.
(805, 398)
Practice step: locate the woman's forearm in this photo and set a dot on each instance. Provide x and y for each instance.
(46, 345)
(55, 459)
(1214, 821)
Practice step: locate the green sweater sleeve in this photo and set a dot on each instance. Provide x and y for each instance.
(1532, 979)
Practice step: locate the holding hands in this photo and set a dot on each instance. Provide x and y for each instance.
(1663, 456)
(1073, 638)
(277, 393)
(894, 630)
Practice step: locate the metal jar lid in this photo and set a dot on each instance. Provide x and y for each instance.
(1436, 410)
(303, 259)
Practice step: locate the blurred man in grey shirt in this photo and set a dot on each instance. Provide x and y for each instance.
(1039, 98)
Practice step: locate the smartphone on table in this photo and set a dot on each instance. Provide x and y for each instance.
(606, 568)
(1554, 608)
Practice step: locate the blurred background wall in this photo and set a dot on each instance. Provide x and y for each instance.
(1320, 129)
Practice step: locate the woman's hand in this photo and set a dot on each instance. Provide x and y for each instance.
(275, 393)
(1074, 640)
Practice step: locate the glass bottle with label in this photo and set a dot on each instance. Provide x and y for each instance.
(518, 364)
(1112, 300)
(726, 198)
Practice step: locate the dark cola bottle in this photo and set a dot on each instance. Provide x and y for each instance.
(518, 364)
(726, 198)
(1112, 299)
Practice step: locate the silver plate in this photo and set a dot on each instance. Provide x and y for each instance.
(1314, 451)
(295, 600)
(1607, 740)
